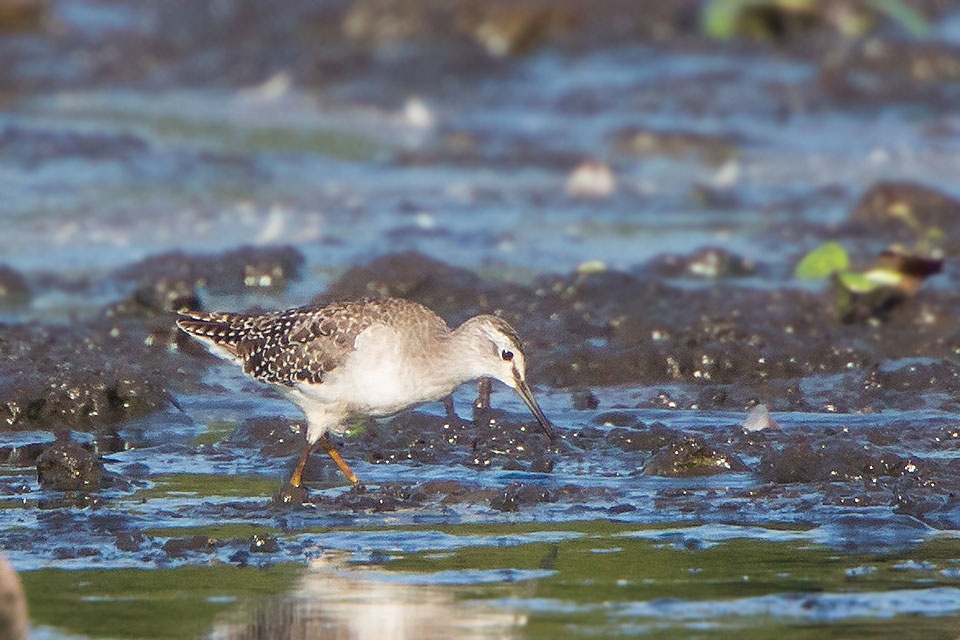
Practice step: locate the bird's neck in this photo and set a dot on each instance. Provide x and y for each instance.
(458, 358)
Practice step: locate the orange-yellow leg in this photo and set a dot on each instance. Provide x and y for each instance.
(323, 443)
(297, 478)
(327, 446)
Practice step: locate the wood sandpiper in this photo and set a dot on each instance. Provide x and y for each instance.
(366, 358)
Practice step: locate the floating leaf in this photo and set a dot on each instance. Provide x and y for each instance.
(824, 261)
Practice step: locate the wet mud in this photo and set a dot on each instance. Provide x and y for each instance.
(680, 348)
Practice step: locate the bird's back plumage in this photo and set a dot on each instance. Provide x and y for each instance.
(297, 345)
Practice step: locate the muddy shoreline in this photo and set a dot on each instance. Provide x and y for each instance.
(672, 348)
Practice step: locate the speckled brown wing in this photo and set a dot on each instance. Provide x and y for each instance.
(286, 347)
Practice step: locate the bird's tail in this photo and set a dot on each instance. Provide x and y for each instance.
(220, 330)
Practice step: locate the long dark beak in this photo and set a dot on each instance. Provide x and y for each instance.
(527, 395)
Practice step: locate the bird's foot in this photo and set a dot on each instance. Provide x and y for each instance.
(358, 488)
(290, 494)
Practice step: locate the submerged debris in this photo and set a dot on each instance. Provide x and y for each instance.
(759, 418)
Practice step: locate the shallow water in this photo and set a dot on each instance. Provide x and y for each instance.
(483, 581)
(183, 140)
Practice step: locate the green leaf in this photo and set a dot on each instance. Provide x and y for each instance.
(913, 23)
(720, 17)
(824, 261)
(724, 19)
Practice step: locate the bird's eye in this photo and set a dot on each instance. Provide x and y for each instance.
(506, 355)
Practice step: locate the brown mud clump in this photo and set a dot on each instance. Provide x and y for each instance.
(82, 377)
(453, 293)
(690, 458)
(831, 461)
(69, 466)
(117, 366)
(163, 280)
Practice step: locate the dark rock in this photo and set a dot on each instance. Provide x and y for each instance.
(506, 501)
(129, 541)
(689, 458)
(518, 495)
(794, 463)
(585, 401)
(85, 376)
(137, 470)
(512, 465)
(455, 294)
(82, 399)
(165, 295)
(917, 378)
(708, 262)
(15, 489)
(616, 419)
(290, 495)
(844, 460)
(22, 455)
(453, 492)
(172, 278)
(263, 544)
(444, 488)
(69, 500)
(906, 203)
(618, 509)
(649, 438)
(240, 557)
(478, 460)
(179, 547)
(388, 497)
(777, 394)
(72, 553)
(68, 466)
(833, 461)
(541, 465)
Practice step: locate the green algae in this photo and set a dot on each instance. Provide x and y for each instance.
(135, 603)
(592, 575)
(209, 485)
